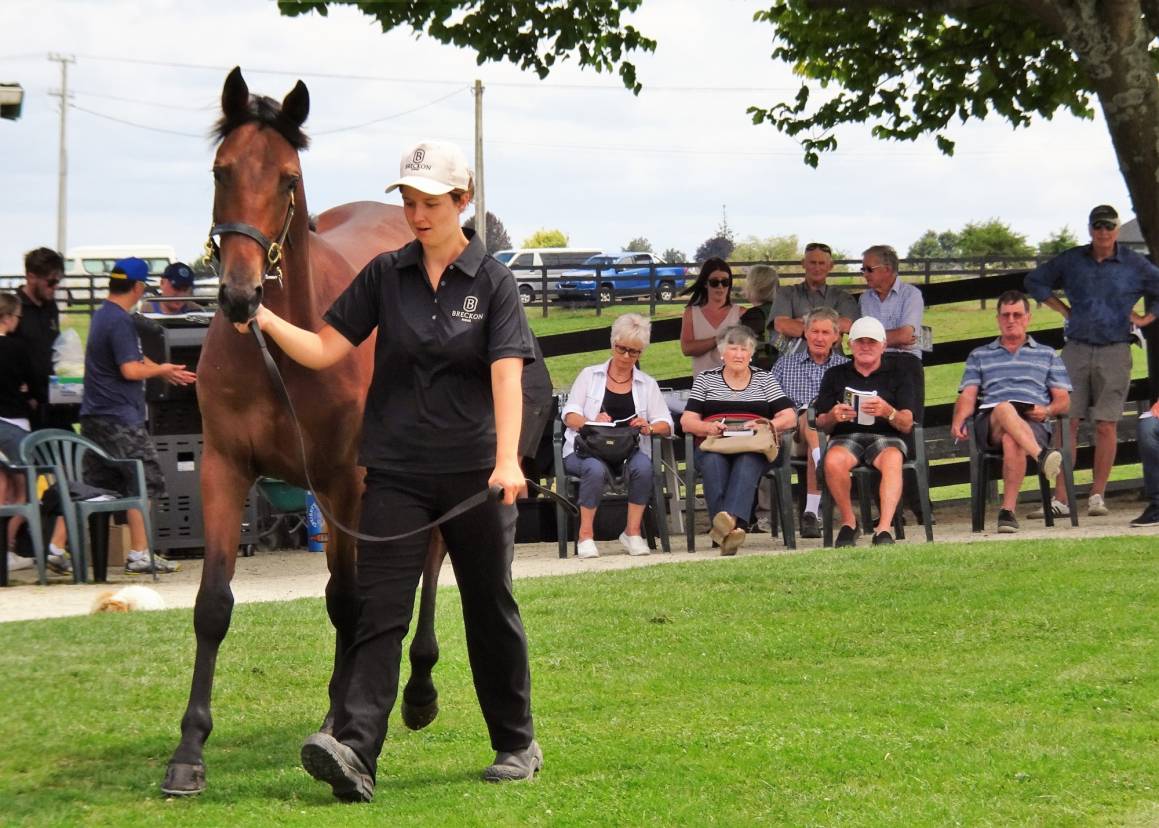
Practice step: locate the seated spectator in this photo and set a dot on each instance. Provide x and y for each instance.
(616, 391)
(17, 381)
(760, 287)
(709, 311)
(1016, 384)
(176, 283)
(794, 303)
(1149, 455)
(799, 376)
(888, 399)
(737, 387)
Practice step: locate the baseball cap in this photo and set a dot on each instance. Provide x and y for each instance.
(1104, 212)
(179, 275)
(132, 268)
(867, 328)
(433, 167)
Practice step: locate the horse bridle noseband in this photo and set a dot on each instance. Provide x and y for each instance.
(273, 249)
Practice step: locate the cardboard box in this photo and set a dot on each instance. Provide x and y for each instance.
(118, 544)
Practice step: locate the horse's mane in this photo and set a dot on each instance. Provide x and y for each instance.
(265, 112)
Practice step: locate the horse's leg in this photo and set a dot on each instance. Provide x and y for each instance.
(342, 500)
(223, 490)
(420, 699)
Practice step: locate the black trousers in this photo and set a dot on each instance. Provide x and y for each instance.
(481, 544)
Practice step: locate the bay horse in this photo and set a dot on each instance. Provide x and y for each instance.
(269, 254)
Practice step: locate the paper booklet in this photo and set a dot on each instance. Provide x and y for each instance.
(1021, 406)
(854, 398)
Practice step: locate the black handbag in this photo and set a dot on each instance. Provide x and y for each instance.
(612, 444)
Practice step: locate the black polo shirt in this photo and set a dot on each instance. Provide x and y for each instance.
(430, 408)
(38, 329)
(895, 382)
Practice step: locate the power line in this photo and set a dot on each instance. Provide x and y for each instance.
(390, 117)
(162, 105)
(135, 124)
(413, 80)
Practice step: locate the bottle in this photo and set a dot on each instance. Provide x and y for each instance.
(316, 534)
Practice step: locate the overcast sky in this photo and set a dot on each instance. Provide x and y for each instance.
(577, 151)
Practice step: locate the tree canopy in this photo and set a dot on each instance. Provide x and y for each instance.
(497, 238)
(674, 256)
(638, 245)
(546, 238)
(770, 249)
(1058, 241)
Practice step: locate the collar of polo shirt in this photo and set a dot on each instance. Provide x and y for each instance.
(469, 261)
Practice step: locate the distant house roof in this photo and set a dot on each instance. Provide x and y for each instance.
(1132, 236)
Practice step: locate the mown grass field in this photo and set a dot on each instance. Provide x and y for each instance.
(982, 684)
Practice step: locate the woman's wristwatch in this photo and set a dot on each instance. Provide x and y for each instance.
(892, 414)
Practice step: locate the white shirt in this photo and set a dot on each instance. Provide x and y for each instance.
(586, 398)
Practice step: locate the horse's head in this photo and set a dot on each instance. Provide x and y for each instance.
(256, 175)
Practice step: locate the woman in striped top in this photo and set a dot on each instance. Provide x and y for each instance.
(738, 387)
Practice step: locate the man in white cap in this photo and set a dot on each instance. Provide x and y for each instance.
(866, 406)
(1102, 281)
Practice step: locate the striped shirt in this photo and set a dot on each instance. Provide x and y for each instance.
(711, 395)
(903, 305)
(800, 377)
(1027, 375)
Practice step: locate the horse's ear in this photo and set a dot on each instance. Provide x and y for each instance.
(235, 95)
(296, 105)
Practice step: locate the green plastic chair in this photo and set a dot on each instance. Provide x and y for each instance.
(30, 511)
(64, 452)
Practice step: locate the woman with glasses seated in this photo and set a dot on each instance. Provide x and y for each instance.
(709, 311)
(616, 391)
(738, 387)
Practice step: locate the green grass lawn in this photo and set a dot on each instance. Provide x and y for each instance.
(981, 684)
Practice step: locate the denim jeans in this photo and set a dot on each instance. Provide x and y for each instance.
(730, 481)
(1149, 454)
(594, 475)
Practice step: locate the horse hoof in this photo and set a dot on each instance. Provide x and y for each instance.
(183, 780)
(418, 716)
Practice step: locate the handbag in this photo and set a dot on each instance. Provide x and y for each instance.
(761, 440)
(612, 444)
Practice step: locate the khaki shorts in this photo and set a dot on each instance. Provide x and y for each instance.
(1101, 376)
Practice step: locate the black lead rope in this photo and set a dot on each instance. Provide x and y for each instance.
(493, 493)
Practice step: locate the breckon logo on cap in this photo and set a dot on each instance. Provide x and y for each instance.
(434, 168)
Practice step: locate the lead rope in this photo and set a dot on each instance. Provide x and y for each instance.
(492, 493)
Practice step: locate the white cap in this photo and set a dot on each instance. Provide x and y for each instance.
(867, 328)
(433, 167)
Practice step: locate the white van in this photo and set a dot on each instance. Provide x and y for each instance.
(529, 264)
(86, 267)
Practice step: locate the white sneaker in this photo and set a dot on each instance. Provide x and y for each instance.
(587, 549)
(1057, 508)
(1096, 507)
(635, 544)
(18, 562)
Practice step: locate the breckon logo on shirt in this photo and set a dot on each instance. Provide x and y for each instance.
(468, 312)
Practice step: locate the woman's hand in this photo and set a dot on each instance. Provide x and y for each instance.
(714, 428)
(262, 316)
(642, 424)
(509, 477)
(603, 417)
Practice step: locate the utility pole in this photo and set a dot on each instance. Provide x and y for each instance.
(62, 186)
(480, 201)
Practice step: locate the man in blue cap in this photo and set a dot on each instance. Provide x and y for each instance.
(112, 413)
(176, 290)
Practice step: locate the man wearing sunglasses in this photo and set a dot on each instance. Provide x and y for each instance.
(792, 304)
(1102, 282)
(40, 324)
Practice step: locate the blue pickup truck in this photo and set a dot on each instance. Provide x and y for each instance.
(608, 278)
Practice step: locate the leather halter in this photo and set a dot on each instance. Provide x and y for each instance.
(272, 249)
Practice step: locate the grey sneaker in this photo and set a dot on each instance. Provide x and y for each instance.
(139, 564)
(59, 562)
(810, 526)
(1096, 506)
(1050, 464)
(1007, 522)
(516, 766)
(1057, 508)
(328, 760)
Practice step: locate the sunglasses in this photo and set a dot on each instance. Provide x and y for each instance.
(1103, 225)
(870, 268)
(719, 282)
(824, 248)
(51, 282)
(623, 350)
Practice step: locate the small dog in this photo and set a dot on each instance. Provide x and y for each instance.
(128, 599)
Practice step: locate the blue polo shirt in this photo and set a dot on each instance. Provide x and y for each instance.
(112, 342)
(902, 305)
(1027, 375)
(1101, 294)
